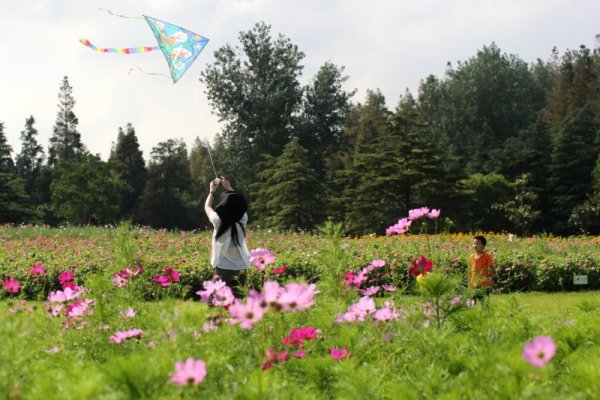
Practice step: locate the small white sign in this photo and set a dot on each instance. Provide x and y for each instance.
(580, 280)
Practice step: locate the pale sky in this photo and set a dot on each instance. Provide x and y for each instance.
(387, 44)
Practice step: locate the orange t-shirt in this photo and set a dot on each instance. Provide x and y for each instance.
(480, 270)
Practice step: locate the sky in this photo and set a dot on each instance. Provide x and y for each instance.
(389, 45)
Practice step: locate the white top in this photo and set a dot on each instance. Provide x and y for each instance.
(225, 254)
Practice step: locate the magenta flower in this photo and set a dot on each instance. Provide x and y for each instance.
(11, 285)
(261, 257)
(338, 354)
(172, 274)
(421, 266)
(64, 277)
(539, 351)
(190, 371)
(279, 270)
(37, 269)
(162, 280)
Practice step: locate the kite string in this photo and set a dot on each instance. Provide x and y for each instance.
(119, 15)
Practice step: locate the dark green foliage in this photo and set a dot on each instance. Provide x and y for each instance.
(255, 91)
(573, 159)
(84, 191)
(65, 143)
(288, 194)
(483, 194)
(6, 162)
(166, 200)
(127, 163)
(29, 160)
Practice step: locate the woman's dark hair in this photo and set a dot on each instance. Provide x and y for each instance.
(231, 209)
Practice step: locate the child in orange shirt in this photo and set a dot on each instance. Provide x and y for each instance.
(480, 266)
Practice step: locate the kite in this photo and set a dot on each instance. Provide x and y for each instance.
(179, 46)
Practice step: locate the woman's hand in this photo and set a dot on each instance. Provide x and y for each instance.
(226, 184)
(213, 186)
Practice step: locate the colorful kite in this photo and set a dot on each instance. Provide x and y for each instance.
(179, 46)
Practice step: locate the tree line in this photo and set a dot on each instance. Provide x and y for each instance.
(496, 143)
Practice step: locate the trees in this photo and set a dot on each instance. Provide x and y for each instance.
(573, 158)
(29, 161)
(289, 192)
(166, 200)
(65, 143)
(325, 107)
(127, 162)
(256, 92)
(84, 191)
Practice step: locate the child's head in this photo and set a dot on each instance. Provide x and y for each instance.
(231, 207)
(479, 243)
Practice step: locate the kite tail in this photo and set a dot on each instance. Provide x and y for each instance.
(148, 73)
(119, 15)
(128, 50)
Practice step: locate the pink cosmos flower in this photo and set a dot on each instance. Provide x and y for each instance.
(297, 297)
(209, 288)
(79, 308)
(121, 336)
(223, 297)
(299, 354)
(433, 213)
(296, 336)
(11, 285)
(190, 371)
(119, 280)
(418, 213)
(402, 226)
(261, 257)
(455, 300)
(67, 294)
(539, 351)
(370, 291)
(386, 313)
(378, 263)
(389, 288)
(246, 315)
(421, 266)
(128, 313)
(37, 269)
(338, 354)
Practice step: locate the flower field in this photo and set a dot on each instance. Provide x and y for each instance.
(124, 312)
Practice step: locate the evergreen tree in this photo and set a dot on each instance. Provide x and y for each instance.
(574, 154)
(65, 143)
(289, 193)
(256, 93)
(166, 200)
(585, 218)
(324, 110)
(127, 162)
(29, 160)
(85, 192)
(14, 201)
(6, 162)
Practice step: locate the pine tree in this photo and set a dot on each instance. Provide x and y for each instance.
(6, 162)
(127, 162)
(289, 193)
(166, 200)
(29, 160)
(65, 143)
(573, 158)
